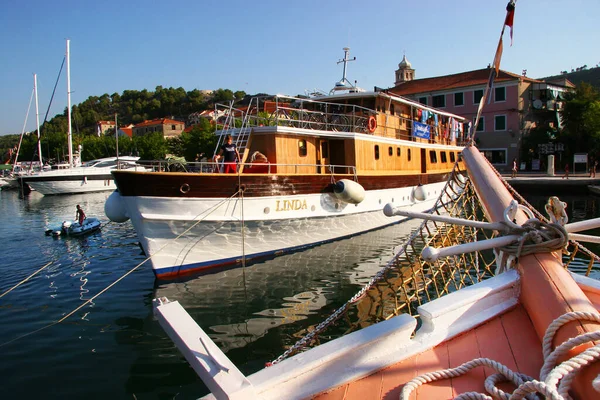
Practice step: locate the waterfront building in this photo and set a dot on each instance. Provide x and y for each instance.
(517, 104)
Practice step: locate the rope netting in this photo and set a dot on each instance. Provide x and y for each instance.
(408, 281)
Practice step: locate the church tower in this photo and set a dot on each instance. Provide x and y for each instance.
(404, 73)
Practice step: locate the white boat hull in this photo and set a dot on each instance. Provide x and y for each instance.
(85, 179)
(75, 184)
(189, 235)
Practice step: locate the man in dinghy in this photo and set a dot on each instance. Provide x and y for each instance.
(80, 215)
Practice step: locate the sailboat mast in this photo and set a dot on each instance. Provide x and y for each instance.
(117, 139)
(69, 134)
(37, 118)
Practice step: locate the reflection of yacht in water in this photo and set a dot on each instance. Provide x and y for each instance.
(239, 306)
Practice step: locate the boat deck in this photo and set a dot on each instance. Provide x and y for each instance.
(509, 339)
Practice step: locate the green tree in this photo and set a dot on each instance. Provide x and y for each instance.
(581, 132)
(151, 147)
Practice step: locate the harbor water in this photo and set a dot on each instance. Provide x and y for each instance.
(113, 347)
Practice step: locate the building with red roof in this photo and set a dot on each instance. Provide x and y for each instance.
(168, 127)
(516, 104)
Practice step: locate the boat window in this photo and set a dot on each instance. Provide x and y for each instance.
(452, 157)
(392, 110)
(398, 152)
(324, 149)
(443, 157)
(302, 151)
(390, 151)
(408, 154)
(377, 152)
(423, 100)
(432, 156)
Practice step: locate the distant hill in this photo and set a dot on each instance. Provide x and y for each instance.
(591, 76)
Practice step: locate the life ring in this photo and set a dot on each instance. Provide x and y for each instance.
(371, 124)
(184, 188)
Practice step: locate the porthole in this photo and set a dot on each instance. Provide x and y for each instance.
(267, 210)
(313, 208)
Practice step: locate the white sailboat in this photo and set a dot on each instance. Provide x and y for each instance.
(75, 177)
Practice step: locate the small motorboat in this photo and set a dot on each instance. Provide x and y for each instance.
(74, 228)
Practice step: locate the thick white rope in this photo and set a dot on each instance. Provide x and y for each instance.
(556, 381)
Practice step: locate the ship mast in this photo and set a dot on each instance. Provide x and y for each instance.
(37, 119)
(69, 134)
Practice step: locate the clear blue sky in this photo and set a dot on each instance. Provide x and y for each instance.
(272, 46)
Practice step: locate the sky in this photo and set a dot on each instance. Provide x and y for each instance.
(271, 47)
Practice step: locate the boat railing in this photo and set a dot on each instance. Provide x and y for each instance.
(211, 167)
(308, 113)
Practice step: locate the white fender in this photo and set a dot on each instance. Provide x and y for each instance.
(419, 193)
(349, 191)
(114, 208)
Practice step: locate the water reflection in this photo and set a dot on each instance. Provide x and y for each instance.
(240, 306)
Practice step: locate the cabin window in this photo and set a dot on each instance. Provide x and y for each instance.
(383, 108)
(443, 157)
(390, 151)
(377, 152)
(325, 149)
(500, 122)
(392, 110)
(499, 94)
(302, 150)
(423, 100)
(172, 127)
(459, 99)
(452, 157)
(408, 155)
(438, 101)
(481, 125)
(398, 151)
(477, 95)
(432, 156)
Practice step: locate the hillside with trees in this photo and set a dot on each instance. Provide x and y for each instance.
(131, 106)
(579, 75)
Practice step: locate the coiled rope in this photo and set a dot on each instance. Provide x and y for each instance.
(555, 380)
(537, 237)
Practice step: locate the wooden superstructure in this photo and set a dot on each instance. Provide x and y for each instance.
(372, 133)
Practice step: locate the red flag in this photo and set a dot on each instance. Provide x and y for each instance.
(510, 16)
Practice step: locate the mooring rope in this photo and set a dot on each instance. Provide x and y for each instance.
(555, 380)
(91, 299)
(26, 279)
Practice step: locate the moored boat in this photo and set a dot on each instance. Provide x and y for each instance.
(92, 176)
(74, 228)
(75, 177)
(313, 170)
(508, 304)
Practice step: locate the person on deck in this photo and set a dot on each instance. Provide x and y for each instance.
(230, 155)
(80, 215)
